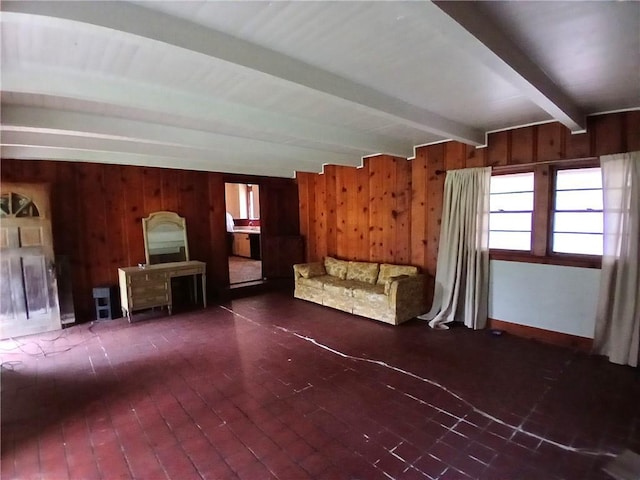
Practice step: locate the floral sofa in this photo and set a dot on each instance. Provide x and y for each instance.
(385, 292)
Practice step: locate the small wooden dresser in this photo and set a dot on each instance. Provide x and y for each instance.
(150, 286)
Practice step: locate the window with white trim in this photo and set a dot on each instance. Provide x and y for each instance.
(577, 221)
(511, 211)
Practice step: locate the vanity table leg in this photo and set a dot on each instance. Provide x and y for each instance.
(204, 290)
(195, 289)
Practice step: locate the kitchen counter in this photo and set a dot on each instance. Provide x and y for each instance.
(246, 230)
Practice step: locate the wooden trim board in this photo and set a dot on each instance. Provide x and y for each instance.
(560, 339)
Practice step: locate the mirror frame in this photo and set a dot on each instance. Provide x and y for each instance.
(158, 218)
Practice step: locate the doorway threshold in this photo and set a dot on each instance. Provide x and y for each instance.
(249, 283)
(246, 289)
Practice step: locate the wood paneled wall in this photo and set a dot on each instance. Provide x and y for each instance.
(389, 210)
(97, 214)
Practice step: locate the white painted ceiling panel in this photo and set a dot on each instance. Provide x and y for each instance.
(592, 49)
(390, 46)
(271, 87)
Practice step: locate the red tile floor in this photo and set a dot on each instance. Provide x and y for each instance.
(270, 387)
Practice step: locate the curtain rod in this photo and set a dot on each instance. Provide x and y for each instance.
(565, 161)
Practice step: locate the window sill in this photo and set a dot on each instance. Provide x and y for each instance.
(567, 260)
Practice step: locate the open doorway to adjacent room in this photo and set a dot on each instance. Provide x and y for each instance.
(244, 247)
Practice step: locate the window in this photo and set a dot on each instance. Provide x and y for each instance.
(549, 214)
(511, 211)
(577, 214)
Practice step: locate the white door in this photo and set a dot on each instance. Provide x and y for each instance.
(28, 289)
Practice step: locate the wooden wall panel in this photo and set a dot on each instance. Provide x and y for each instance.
(93, 218)
(331, 206)
(550, 141)
(632, 131)
(320, 217)
(152, 188)
(387, 166)
(306, 188)
(454, 157)
(114, 227)
(419, 206)
(435, 189)
(607, 133)
(192, 197)
(133, 184)
(353, 215)
(217, 262)
(523, 146)
(376, 210)
(403, 213)
(498, 149)
(360, 213)
(576, 145)
(476, 157)
(342, 210)
(97, 212)
(170, 185)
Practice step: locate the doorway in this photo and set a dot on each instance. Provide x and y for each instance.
(28, 287)
(244, 234)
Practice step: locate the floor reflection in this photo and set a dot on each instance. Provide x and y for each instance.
(243, 270)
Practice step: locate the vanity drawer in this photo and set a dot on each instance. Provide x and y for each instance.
(183, 272)
(149, 299)
(147, 279)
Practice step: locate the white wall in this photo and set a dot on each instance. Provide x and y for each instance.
(551, 297)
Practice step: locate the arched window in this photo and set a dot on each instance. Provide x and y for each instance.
(17, 205)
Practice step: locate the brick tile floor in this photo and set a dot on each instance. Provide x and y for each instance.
(270, 387)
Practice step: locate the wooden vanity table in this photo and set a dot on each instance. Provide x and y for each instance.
(150, 286)
(167, 254)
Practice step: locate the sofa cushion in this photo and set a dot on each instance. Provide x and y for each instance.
(387, 270)
(309, 270)
(336, 268)
(335, 286)
(363, 271)
(313, 282)
(367, 291)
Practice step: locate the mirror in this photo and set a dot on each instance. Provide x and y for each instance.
(165, 238)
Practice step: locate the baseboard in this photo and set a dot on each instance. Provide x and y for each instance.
(566, 340)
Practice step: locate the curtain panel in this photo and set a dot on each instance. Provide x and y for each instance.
(462, 271)
(617, 333)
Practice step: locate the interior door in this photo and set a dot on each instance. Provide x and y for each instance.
(28, 290)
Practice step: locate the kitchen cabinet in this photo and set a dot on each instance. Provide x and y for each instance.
(246, 245)
(242, 244)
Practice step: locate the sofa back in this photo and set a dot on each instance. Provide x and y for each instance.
(369, 272)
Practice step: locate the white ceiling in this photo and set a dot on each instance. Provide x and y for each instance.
(268, 88)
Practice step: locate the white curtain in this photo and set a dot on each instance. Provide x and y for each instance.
(617, 333)
(462, 271)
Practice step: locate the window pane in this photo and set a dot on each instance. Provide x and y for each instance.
(578, 178)
(517, 182)
(511, 202)
(510, 221)
(582, 243)
(579, 200)
(510, 240)
(578, 222)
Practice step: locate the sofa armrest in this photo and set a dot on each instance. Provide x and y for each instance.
(308, 270)
(408, 290)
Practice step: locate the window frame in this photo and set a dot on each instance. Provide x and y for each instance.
(542, 218)
(552, 210)
(515, 171)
